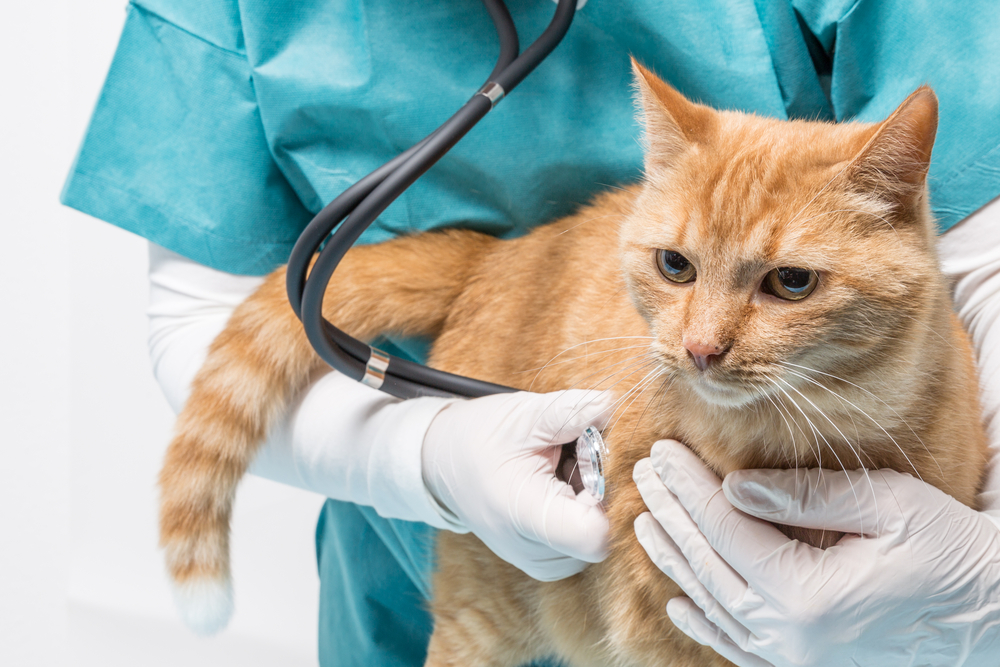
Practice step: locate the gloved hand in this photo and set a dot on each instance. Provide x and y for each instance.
(921, 587)
(491, 463)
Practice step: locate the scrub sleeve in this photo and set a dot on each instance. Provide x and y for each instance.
(224, 125)
(176, 152)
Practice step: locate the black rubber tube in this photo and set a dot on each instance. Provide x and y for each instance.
(352, 355)
(326, 220)
(540, 48)
(510, 45)
(363, 202)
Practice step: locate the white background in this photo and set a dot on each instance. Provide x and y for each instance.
(83, 423)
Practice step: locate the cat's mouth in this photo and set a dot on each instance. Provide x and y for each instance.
(722, 387)
(729, 394)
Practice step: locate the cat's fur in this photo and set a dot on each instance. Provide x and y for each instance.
(882, 373)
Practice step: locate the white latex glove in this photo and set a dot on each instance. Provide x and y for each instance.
(920, 587)
(491, 463)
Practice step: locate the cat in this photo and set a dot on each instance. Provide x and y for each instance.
(768, 294)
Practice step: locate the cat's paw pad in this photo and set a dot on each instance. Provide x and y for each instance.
(205, 605)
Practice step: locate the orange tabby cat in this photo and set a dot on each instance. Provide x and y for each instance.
(769, 295)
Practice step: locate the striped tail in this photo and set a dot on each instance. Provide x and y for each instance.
(255, 368)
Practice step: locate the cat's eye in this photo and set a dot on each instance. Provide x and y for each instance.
(790, 283)
(674, 266)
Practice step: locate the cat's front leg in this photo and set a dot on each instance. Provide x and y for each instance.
(458, 645)
(484, 609)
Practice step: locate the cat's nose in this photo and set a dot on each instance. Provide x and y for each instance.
(703, 354)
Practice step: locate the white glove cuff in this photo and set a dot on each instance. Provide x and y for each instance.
(350, 442)
(395, 477)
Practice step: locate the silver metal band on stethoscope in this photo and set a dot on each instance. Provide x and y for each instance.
(378, 362)
(491, 91)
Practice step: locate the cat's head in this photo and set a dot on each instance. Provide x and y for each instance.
(758, 245)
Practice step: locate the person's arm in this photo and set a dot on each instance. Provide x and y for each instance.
(970, 255)
(350, 442)
(921, 586)
(189, 305)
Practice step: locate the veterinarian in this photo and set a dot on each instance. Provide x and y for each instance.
(224, 125)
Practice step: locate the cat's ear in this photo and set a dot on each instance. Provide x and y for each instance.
(673, 123)
(893, 161)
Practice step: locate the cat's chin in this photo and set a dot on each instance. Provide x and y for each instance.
(722, 395)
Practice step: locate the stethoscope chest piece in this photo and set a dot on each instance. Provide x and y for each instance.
(591, 455)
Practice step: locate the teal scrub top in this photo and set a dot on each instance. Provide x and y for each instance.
(224, 125)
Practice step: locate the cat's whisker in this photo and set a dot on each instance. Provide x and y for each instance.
(644, 358)
(584, 356)
(650, 357)
(780, 404)
(637, 395)
(637, 390)
(818, 451)
(586, 342)
(600, 340)
(666, 380)
(613, 408)
(637, 387)
(820, 411)
(642, 365)
(580, 224)
(781, 413)
(758, 392)
(791, 433)
(637, 366)
(817, 434)
(901, 450)
(630, 359)
(572, 471)
(805, 415)
(815, 431)
(663, 385)
(612, 186)
(873, 420)
(846, 441)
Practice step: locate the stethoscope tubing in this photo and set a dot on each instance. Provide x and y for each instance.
(364, 201)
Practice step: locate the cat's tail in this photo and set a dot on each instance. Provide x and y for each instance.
(255, 367)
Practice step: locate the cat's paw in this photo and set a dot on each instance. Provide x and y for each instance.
(205, 605)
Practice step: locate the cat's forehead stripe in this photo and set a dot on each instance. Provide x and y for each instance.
(755, 197)
(760, 194)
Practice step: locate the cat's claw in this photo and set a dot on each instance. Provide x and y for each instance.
(205, 605)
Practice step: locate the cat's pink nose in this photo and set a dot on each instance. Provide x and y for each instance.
(703, 354)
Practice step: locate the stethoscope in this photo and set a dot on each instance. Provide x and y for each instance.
(358, 207)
